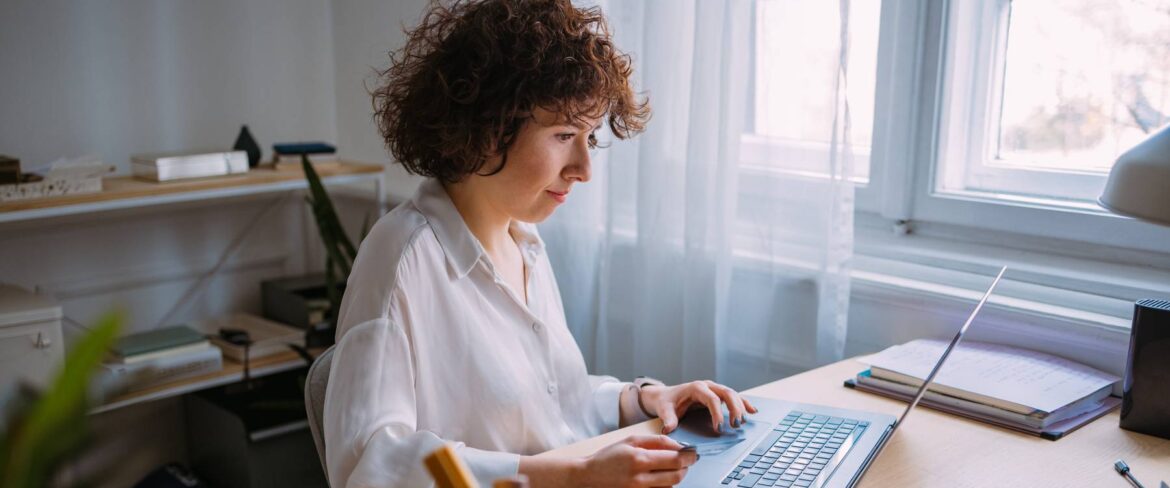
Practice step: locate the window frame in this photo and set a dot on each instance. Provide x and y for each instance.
(907, 147)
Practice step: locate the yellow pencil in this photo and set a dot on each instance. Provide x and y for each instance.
(448, 470)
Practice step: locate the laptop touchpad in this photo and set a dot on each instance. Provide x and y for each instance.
(695, 428)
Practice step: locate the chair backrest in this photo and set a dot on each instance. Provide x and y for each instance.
(315, 401)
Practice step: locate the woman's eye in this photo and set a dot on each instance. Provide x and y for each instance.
(565, 137)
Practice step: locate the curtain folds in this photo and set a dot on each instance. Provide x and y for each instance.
(692, 254)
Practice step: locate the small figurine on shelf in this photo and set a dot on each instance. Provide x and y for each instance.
(245, 142)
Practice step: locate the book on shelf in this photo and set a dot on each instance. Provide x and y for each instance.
(298, 148)
(267, 337)
(1012, 387)
(116, 379)
(147, 356)
(319, 161)
(135, 346)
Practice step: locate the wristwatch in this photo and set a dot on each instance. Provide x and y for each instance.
(640, 382)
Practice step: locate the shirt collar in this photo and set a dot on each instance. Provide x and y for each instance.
(460, 246)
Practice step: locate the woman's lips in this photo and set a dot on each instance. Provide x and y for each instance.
(559, 197)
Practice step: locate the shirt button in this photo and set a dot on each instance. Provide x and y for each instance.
(536, 327)
(552, 388)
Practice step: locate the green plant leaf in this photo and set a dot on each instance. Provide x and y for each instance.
(325, 212)
(54, 426)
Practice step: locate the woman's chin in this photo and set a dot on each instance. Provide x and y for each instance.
(536, 215)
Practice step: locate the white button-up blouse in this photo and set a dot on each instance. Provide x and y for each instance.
(433, 346)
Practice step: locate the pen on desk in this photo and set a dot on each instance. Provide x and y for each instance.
(1123, 470)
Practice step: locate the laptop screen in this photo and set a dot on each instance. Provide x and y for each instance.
(954, 342)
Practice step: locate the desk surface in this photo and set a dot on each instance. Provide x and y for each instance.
(938, 449)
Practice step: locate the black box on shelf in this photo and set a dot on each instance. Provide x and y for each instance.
(257, 438)
(9, 170)
(300, 301)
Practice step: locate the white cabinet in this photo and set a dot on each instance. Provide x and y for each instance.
(31, 346)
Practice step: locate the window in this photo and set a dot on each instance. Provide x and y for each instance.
(795, 60)
(955, 153)
(1041, 96)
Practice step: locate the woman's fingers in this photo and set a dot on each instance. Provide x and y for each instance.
(750, 408)
(654, 442)
(669, 419)
(704, 394)
(735, 405)
(656, 460)
(661, 478)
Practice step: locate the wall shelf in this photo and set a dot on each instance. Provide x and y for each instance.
(232, 372)
(127, 192)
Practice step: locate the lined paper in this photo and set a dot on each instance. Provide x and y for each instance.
(1030, 378)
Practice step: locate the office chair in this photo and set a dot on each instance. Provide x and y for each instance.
(315, 401)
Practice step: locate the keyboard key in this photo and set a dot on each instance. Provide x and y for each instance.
(749, 480)
(728, 480)
(766, 444)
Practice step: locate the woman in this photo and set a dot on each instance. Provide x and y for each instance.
(452, 327)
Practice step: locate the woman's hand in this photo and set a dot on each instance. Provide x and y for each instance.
(671, 402)
(637, 461)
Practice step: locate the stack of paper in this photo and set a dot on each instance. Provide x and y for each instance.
(266, 337)
(199, 164)
(1012, 387)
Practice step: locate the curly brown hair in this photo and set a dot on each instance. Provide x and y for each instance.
(472, 72)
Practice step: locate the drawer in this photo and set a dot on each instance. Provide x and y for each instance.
(31, 353)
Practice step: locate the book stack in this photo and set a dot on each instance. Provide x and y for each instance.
(198, 164)
(1014, 388)
(288, 155)
(267, 337)
(145, 359)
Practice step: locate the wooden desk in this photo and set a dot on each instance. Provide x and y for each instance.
(937, 449)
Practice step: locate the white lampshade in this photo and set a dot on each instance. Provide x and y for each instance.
(1139, 184)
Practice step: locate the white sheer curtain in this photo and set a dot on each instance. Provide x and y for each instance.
(712, 245)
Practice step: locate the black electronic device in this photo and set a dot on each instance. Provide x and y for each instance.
(1145, 403)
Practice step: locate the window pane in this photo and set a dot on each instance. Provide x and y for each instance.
(1084, 81)
(795, 77)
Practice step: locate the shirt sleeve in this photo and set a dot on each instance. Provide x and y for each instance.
(607, 392)
(370, 416)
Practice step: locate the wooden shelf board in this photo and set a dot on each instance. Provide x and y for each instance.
(232, 372)
(126, 191)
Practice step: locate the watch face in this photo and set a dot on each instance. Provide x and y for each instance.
(646, 381)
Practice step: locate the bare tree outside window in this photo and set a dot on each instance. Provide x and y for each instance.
(1084, 80)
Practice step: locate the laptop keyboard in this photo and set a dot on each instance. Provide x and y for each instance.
(801, 452)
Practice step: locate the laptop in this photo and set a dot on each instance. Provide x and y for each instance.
(800, 445)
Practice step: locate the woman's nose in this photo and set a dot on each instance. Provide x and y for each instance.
(581, 169)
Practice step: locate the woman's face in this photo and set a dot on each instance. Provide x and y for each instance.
(546, 159)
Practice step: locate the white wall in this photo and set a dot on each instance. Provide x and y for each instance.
(118, 78)
(113, 79)
(364, 32)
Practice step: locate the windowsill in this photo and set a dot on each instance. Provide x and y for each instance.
(1085, 286)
